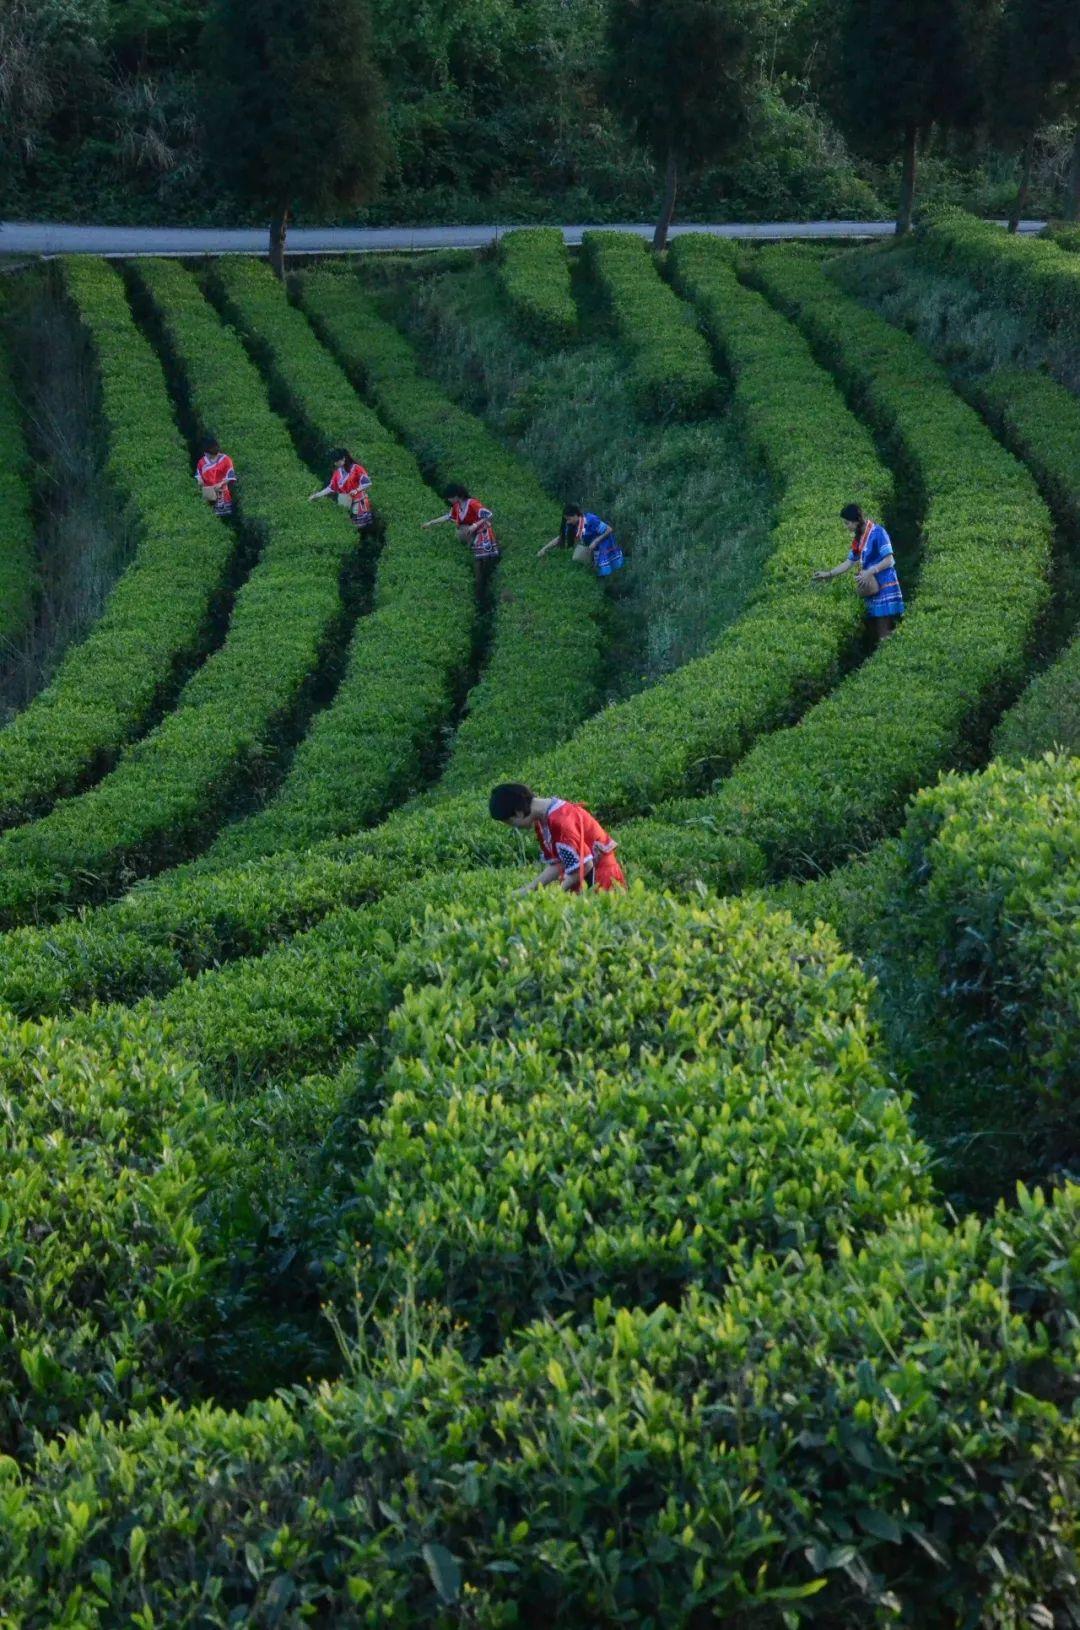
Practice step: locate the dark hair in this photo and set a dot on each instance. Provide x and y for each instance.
(572, 509)
(509, 798)
(455, 491)
(211, 444)
(853, 512)
(341, 452)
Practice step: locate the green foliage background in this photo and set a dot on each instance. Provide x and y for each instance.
(496, 110)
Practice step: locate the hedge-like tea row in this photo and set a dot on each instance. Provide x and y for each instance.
(837, 780)
(997, 861)
(106, 1150)
(672, 373)
(365, 750)
(786, 648)
(1067, 238)
(544, 660)
(156, 621)
(1040, 421)
(18, 569)
(178, 781)
(1032, 275)
(878, 1416)
(535, 275)
(714, 1096)
(688, 728)
(1047, 714)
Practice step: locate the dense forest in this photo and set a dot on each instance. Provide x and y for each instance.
(533, 110)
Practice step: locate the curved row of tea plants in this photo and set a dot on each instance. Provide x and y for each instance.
(836, 780)
(682, 732)
(367, 749)
(535, 275)
(1040, 421)
(997, 863)
(156, 622)
(548, 609)
(786, 1443)
(1032, 275)
(18, 571)
(672, 373)
(158, 803)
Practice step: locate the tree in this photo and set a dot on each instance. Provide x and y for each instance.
(294, 106)
(908, 65)
(1036, 79)
(678, 75)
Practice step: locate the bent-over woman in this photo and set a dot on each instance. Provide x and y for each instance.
(472, 520)
(349, 484)
(589, 532)
(875, 570)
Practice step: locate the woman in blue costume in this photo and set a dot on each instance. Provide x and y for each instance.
(584, 528)
(875, 570)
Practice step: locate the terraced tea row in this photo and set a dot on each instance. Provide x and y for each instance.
(1040, 421)
(535, 276)
(545, 609)
(157, 620)
(681, 732)
(672, 373)
(834, 782)
(171, 788)
(405, 661)
(1035, 276)
(885, 1346)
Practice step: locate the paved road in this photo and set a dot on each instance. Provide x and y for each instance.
(32, 238)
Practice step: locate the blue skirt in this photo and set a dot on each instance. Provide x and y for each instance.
(888, 601)
(608, 557)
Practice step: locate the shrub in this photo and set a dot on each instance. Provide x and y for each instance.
(673, 376)
(995, 859)
(1032, 275)
(890, 1438)
(543, 664)
(156, 622)
(368, 747)
(157, 805)
(535, 276)
(1040, 421)
(835, 781)
(106, 1149)
(683, 731)
(1047, 715)
(711, 1096)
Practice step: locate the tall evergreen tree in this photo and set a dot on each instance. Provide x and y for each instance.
(295, 106)
(678, 75)
(911, 64)
(1036, 79)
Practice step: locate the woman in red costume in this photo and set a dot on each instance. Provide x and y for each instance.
(577, 852)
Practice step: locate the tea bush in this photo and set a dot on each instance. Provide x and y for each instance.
(997, 861)
(673, 376)
(535, 275)
(1040, 420)
(1035, 276)
(107, 1147)
(623, 1100)
(18, 566)
(685, 730)
(547, 608)
(156, 622)
(890, 1438)
(837, 780)
(238, 708)
(367, 749)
